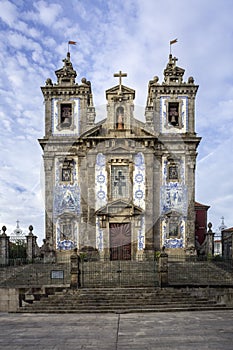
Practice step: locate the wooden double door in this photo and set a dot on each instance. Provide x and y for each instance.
(120, 241)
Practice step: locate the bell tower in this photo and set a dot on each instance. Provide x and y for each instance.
(69, 112)
(170, 114)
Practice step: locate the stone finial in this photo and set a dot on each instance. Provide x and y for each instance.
(84, 81)
(49, 82)
(190, 80)
(30, 230)
(155, 80)
(210, 227)
(4, 230)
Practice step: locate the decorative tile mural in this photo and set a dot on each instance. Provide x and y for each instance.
(67, 240)
(66, 199)
(99, 236)
(66, 208)
(173, 198)
(139, 180)
(100, 181)
(141, 233)
(173, 242)
(101, 195)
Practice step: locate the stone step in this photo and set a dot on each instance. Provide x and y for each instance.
(122, 298)
(93, 306)
(125, 301)
(119, 309)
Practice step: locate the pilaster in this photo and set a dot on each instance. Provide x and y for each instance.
(31, 245)
(4, 247)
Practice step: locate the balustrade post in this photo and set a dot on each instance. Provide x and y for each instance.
(4, 247)
(31, 244)
(75, 270)
(163, 269)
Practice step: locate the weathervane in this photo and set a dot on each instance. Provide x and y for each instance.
(71, 43)
(171, 43)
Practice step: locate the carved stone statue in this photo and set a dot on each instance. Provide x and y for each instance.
(120, 118)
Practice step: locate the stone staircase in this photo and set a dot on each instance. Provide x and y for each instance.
(198, 273)
(117, 287)
(120, 300)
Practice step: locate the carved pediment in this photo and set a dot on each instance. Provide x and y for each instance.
(173, 214)
(119, 149)
(119, 208)
(124, 89)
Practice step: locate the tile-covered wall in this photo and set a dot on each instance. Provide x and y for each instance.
(173, 199)
(100, 181)
(139, 180)
(66, 207)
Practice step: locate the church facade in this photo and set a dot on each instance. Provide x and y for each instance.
(122, 186)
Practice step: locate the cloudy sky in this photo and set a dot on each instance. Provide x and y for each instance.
(128, 35)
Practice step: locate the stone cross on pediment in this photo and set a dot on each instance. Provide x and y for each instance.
(120, 75)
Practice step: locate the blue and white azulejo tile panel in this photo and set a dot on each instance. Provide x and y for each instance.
(139, 182)
(100, 181)
(99, 236)
(141, 233)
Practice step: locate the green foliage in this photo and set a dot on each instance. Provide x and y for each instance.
(209, 257)
(157, 254)
(83, 256)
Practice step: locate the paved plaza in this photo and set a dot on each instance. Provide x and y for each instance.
(137, 331)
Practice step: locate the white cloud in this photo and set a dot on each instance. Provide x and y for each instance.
(46, 13)
(214, 182)
(8, 13)
(6, 124)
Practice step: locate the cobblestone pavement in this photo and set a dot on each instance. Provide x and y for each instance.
(140, 331)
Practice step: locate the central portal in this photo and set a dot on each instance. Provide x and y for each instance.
(120, 241)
